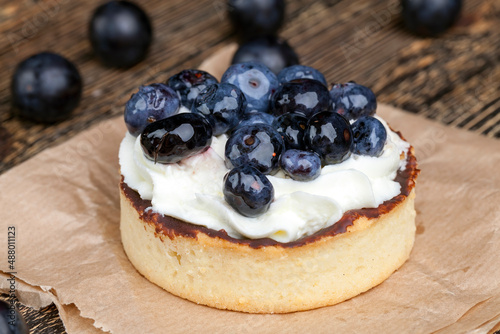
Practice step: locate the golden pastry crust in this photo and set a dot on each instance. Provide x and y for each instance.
(265, 276)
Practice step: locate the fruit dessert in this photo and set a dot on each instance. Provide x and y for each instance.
(264, 193)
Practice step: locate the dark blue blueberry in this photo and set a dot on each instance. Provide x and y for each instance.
(271, 51)
(329, 134)
(46, 87)
(120, 33)
(255, 117)
(300, 72)
(11, 321)
(256, 81)
(352, 100)
(151, 103)
(189, 83)
(258, 145)
(252, 18)
(248, 191)
(222, 104)
(369, 136)
(177, 137)
(292, 127)
(430, 17)
(301, 165)
(306, 96)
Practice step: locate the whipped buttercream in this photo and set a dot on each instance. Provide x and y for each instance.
(191, 190)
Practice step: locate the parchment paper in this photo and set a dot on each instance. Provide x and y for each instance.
(64, 205)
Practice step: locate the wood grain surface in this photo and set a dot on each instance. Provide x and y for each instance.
(454, 79)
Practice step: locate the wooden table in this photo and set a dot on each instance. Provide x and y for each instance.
(454, 79)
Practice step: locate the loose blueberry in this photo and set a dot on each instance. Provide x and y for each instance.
(256, 81)
(189, 83)
(258, 145)
(271, 51)
(292, 127)
(222, 104)
(352, 100)
(172, 139)
(120, 33)
(46, 88)
(11, 321)
(248, 191)
(329, 134)
(150, 104)
(255, 118)
(369, 136)
(301, 165)
(430, 17)
(305, 96)
(252, 18)
(300, 72)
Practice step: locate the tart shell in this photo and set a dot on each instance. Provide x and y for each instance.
(265, 276)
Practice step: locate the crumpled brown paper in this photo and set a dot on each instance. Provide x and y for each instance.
(64, 206)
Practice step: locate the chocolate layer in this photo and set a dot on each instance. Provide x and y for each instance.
(172, 227)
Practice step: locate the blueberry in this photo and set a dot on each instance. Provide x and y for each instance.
(222, 104)
(255, 118)
(306, 96)
(292, 127)
(329, 134)
(430, 17)
(252, 18)
(120, 33)
(258, 145)
(248, 191)
(271, 51)
(189, 83)
(352, 100)
(177, 137)
(46, 88)
(369, 136)
(300, 72)
(151, 103)
(301, 165)
(256, 81)
(11, 321)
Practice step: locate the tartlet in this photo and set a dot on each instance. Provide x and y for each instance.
(266, 276)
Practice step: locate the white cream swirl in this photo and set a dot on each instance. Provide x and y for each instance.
(192, 190)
